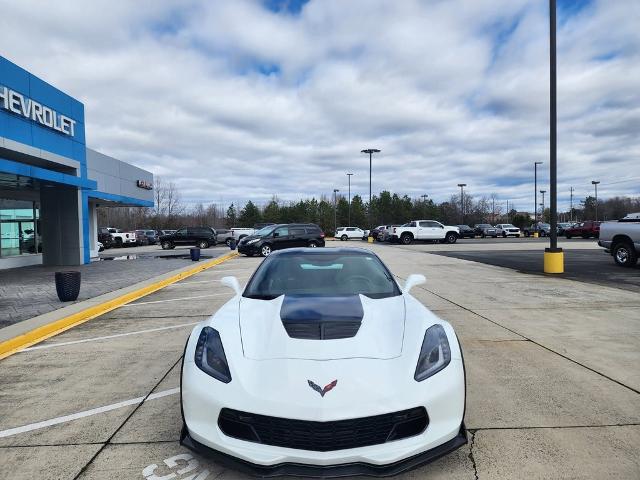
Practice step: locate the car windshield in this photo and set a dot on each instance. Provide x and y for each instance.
(508, 225)
(322, 274)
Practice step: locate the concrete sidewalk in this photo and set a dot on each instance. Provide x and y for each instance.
(30, 291)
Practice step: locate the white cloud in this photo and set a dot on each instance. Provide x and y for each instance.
(176, 87)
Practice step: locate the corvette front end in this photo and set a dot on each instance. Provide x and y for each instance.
(377, 399)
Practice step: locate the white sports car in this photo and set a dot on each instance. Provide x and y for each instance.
(323, 366)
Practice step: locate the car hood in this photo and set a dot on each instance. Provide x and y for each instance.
(267, 327)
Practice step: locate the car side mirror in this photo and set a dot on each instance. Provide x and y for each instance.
(232, 283)
(275, 234)
(413, 280)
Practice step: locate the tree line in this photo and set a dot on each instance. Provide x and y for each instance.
(170, 212)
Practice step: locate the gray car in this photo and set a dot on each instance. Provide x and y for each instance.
(622, 239)
(224, 235)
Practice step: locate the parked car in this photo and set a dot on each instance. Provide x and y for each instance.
(141, 238)
(312, 371)
(507, 230)
(224, 236)
(425, 230)
(377, 231)
(485, 230)
(563, 226)
(347, 233)
(542, 228)
(587, 229)
(202, 237)
(622, 239)
(100, 247)
(281, 236)
(466, 231)
(164, 232)
(122, 238)
(152, 236)
(105, 237)
(387, 233)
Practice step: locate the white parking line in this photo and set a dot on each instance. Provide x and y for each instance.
(177, 299)
(118, 335)
(86, 413)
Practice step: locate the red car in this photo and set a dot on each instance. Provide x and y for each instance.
(585, 229)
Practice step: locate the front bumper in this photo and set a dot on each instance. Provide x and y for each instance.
(326, 471)
(252, 249)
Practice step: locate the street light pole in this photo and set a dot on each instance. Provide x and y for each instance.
(349, 176)
(462, 185)
(553, 256)
(370, 151)
(335, 211)
(535, 191)
(571, 205)
(424, 200)
(542, 205)
(595, 184)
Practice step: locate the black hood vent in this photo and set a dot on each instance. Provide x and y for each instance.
(321, 318)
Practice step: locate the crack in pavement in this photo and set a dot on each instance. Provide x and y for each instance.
(108, 442)
(471, 457)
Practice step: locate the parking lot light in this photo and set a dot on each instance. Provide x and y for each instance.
(370, 151)
(462, 185)
(535, 191)
(349, 177)
(335, 211)
(542, 205)
(553, 256)
(595, 184)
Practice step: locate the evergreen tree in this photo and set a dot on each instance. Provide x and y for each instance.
(232, 216)
(249, 215)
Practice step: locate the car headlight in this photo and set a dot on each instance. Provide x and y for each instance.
(435, 353)
(253, 241)
(210, 357)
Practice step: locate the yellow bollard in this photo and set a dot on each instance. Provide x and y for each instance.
(535, 235)
(370, 239)
(553, 261)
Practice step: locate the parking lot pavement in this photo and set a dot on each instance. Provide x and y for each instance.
(553, 383)
(585, 265)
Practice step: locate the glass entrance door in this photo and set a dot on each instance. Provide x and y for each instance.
(19, 228)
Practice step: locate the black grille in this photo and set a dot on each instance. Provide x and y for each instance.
(323, 436)
(322, 330)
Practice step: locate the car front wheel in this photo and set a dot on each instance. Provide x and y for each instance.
(406, 239)
(344, 238)
(265, 251)
(625, 254)
(451, 237)
(228, 242)
(313, 244)
(203, 244)
(166, 245)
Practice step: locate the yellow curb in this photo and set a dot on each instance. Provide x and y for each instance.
(37, 335)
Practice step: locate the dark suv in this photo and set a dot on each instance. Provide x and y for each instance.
(203, 237)
(277, 237)
(105, 237)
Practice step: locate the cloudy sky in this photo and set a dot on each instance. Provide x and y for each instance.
(244, 99)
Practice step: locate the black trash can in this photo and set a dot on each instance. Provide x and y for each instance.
(232, 243)
(68, 285)
(195, 254)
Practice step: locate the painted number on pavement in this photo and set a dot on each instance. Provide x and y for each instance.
(183, 464)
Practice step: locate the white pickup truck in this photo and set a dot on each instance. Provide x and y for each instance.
(425, 230)
(122, 238)
(622, 239)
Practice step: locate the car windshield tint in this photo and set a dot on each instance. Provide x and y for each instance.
(264, 231)
(339, 274)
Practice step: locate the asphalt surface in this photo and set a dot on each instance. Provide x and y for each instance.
(591, 266)
(548, 396)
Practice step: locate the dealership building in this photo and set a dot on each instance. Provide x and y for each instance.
(50, 182)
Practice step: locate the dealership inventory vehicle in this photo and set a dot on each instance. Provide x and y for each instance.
(485, 230)
(347, 233)
(622, 239)
(425, 230)
(105, 237)
(542, 228)
(562, 227)
(151, 235)
(278, 237)
(386, 234)
(507, 230)
(141, 238)
(466, 231)
(323, 366)
(121, 238)
(224, 236)
(201, 237)
(586, 229)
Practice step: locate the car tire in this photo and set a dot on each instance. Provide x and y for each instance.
(313, 244)
(483, 235)
(118, 243)
(451, 237)
(344, 238)
(406, 239)
(624, 254)
(203, 244)
(567, 236)
(228, 242)
(265, 250)
(504, 235)
(166, 245)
